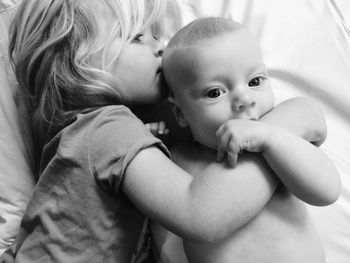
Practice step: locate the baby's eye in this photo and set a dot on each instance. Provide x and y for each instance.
(214, 93)
(255, 82)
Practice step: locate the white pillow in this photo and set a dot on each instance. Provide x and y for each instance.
(16, 178)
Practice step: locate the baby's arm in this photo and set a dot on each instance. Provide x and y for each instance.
(302, 116)
(208, 207)
(310, 126)
(304, 169)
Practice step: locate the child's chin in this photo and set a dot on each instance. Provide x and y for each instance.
(162, 90)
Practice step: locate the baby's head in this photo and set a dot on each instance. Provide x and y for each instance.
(215, 71)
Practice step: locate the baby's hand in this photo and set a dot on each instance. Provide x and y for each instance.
(238, 135)
(158, 129)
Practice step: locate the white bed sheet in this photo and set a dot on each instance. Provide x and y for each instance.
(306, 46)
(16, 180)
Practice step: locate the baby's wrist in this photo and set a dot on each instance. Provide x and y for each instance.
(271, 135)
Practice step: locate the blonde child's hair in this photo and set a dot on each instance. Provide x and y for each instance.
(54, 45)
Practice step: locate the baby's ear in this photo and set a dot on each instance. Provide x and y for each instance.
(177, 112)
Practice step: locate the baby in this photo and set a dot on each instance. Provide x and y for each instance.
(220, 89)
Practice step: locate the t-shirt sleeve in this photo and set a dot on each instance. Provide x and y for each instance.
(116, 139)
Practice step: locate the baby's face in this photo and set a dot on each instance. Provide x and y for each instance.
(220, 79)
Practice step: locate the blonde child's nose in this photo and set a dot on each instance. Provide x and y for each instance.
(159, 49)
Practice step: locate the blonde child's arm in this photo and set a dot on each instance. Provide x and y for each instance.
(205, 208)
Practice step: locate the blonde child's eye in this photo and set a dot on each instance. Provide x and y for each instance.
(255, 82)
(156, 31)
(214, 93)
(138, 37)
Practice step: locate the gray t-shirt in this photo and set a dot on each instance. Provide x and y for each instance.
(78, 212)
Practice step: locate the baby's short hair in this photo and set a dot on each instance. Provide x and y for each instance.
(202, 28)
(191, 35)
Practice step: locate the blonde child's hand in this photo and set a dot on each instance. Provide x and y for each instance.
(158, 129)
(238, 135)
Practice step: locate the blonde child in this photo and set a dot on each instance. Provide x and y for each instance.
(82, 63)
(220, 89)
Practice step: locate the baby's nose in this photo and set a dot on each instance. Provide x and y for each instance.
(243, 102)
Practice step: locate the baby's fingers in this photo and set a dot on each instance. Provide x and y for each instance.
(232, 159)
(223, 140)
(227, 145)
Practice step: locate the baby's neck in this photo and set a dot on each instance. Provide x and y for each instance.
(201, 145)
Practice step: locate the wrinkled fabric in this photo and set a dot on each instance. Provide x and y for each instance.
(78, 212)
